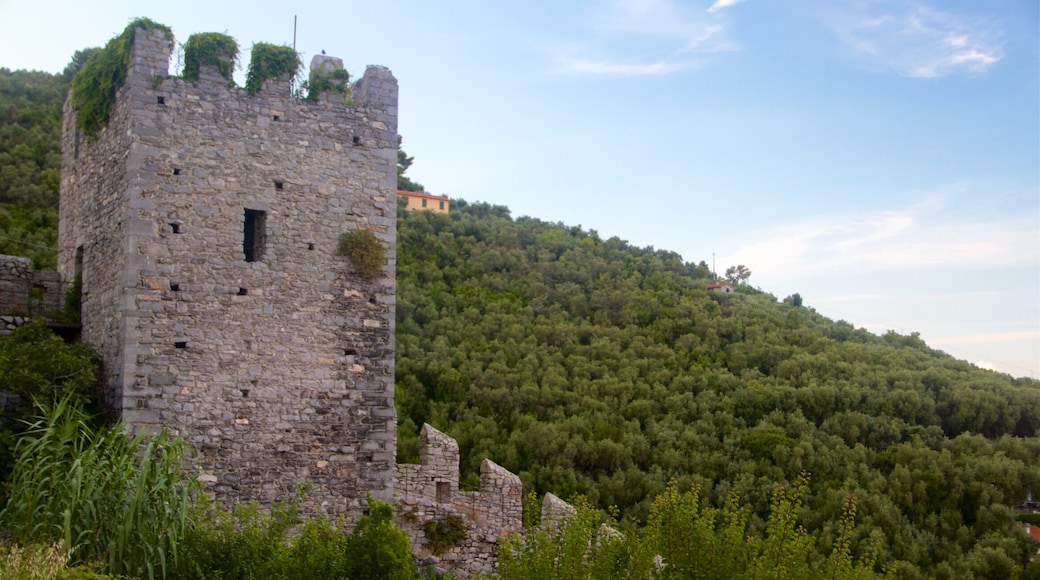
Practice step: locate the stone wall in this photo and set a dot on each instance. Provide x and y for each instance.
(204, 221)
(430, 491)
(26, 292)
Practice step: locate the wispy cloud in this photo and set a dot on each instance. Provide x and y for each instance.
(646, 37)
(920, 236)
(916, 40)
(985, 338)
(722, 4)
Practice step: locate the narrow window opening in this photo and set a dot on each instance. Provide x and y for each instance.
(443, 492)
(349, 352)
(160, 100)
(276, 117)
(441, 205)
(180, 344)
(357, 140)
(310, 245)
(279, 184)
(175, 287)
(176, 170)
(255, 232)
(243, 291)
(245, 393)
(424, 203)
(78, 263)
(176, 228)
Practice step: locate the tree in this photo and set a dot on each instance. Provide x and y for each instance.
(738, 274)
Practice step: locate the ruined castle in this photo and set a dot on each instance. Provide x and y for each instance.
(203, 223)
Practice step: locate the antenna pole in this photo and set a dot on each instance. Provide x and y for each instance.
(292, 81)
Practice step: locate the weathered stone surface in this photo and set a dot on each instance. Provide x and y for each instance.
(430, 491)
(25, 292)
(206, 222)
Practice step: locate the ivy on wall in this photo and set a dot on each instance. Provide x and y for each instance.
(364, 250)
(94, 86)
(336, 82)
(211, 49)
(270, 61)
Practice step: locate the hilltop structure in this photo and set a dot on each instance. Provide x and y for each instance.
(420, 200)
(203, 223)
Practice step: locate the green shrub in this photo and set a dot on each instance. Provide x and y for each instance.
(210, 49)
(101, 496)
(245, 543)
(444, 534)
(95, 84)
(270, 61)
(377, 548)
(35, 364)
(364, 250)
(249, 543)
(336, 82)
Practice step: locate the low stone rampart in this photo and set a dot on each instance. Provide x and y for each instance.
(429, 492)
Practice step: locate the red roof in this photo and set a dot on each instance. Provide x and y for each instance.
(421, 194)
(719, 284)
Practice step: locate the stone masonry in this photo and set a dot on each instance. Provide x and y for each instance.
(204, 222)
(25, 292)
(430, 491)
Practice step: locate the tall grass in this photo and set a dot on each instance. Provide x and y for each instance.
(102, 496)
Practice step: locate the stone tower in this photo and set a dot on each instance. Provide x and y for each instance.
(204, 223)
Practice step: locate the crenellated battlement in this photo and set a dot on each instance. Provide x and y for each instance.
(429, 492)
(204, 221)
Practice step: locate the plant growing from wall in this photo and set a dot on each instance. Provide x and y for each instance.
(104, 71)
(270, 61)
(444, 534)
(364, 250)
(210, 49)
(336, 82)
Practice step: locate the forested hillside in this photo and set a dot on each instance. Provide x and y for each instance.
(30, 163)
(591, 367)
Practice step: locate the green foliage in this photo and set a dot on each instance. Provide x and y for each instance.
(72, 305)
(364, 250)
(105, 498)
(30, 141)
(94, 86)
(683, 539)
(1033, 518)
(270, 61)
(249, 543)
(245, 543)
(30, 231)
(37, 365)
(31, 562)
(444, 533)
(210, 49)
(588, 366)
(336, 82)
(377, 548)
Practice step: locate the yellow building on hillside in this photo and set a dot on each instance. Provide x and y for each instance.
(423, 200)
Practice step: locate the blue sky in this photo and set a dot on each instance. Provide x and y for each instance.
(880, 158)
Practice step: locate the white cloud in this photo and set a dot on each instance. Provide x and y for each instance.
(986, 337)
(645, 37)
(579, 66)
(982, 364)
(920, 236)
(916, 40)
(722, 4)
